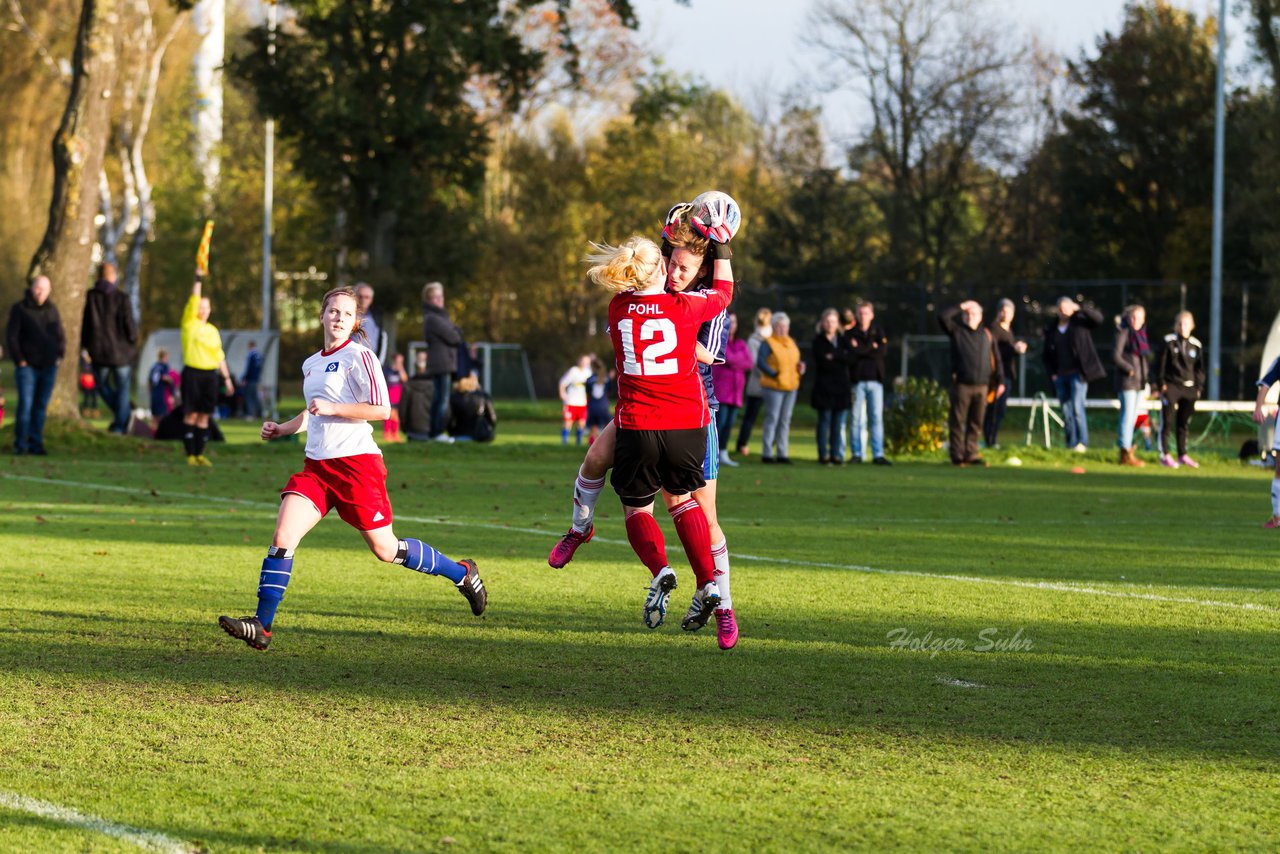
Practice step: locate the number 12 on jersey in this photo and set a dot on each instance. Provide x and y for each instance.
(655, 359)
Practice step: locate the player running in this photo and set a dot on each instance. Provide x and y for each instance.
(687, 250)
(345, 389)
(573, 392)
(1270, 378)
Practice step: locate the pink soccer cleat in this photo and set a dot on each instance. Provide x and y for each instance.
(1273, 522)
(1188, 462)
(726, 628)
(1168, 461)
(563, 551)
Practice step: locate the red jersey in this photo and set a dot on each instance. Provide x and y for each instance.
(654, 344)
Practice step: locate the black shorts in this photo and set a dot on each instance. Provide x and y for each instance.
(199, 391)
(645, 461)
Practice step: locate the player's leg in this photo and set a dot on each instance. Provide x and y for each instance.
(566, 421)
(422, 557)
(680, 467)
(298, 514)
(1274, 521)
(586, 493)
(1167, 417)
(579, 425)
(636, 480)
(1186, 409)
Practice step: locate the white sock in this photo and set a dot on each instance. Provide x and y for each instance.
(720, 554)
(586, 492)
(1275, 496)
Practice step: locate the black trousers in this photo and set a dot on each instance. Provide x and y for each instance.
(995, 415)
(1177, 405)
(968, 405)
(749, 414)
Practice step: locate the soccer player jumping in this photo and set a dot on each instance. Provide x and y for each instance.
(345, 389)
(662, 416)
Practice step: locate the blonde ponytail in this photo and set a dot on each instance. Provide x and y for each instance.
(628, 267)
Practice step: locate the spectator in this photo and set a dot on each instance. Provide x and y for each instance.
(397, 377)
(36, 342)
(88, 389)
(1132, 358)
(442, 338)
(1072, 363)
(754, 392)
(730, 378)
(111, 337)
(1181, 377)
(160, 386)
(831, 359)
(975, 370)
(573, 393)
(376, 335)
(1011, 347)
(869, 345)
(780, 372)
(251, 379)
(600, 389)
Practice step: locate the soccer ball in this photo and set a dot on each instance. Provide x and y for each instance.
(716, 215)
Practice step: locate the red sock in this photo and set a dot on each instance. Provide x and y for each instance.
(695, 536)
(646, 539)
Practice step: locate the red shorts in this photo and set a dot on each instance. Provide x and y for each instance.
(356, 486)
(575, 413)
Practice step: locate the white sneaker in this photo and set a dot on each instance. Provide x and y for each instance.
(705, 601)
(655, 603)
(1080, 449)
(725, 461)
(443, 437)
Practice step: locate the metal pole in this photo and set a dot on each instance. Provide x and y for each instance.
(268, 184)
(1215, 276)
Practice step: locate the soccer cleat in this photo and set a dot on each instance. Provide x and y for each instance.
(563, 551)
(705, 600)
(472, 587)
(1188, 462)
(655, 604)
(1273, 522)
(247, 629)
(192, 461)
(1168, 461)
(203, 461)
(726, 628)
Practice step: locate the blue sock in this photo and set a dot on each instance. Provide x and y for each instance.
(577, 434)
(564, 435)
(277, 567)
(419, 556)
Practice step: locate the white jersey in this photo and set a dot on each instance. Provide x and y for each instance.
(348, 374)
(574, 383)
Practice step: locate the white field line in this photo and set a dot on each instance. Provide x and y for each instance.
(1056, 586)
(146, 839)
(959, 683)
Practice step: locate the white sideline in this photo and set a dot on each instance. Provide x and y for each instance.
(1057, 586)
(147, 839)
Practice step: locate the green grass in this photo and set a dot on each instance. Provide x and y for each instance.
(386, 718)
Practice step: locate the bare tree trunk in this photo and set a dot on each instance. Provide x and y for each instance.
(65, 253)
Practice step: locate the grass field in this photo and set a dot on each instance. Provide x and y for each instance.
(1136, 711)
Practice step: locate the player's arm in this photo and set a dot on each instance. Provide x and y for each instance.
(296, 424)
(704, 355)
(351, 411)
(1264, 385)
(225, 370)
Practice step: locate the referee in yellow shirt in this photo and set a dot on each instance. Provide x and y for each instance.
(202, 363)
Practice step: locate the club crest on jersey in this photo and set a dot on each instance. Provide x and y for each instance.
(331, 368)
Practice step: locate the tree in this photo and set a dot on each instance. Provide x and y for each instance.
(941, 80)
(78, 146)
(1133, 175)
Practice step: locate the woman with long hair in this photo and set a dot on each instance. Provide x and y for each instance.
(345, 389)
(1132, 356)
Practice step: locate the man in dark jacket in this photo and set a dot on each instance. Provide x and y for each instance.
(442, 339)
(1072, 363)
(111, 337)
(869, 345)
(36, 342)
(975, 370)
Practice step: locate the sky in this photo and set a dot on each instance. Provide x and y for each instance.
(750, 47)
